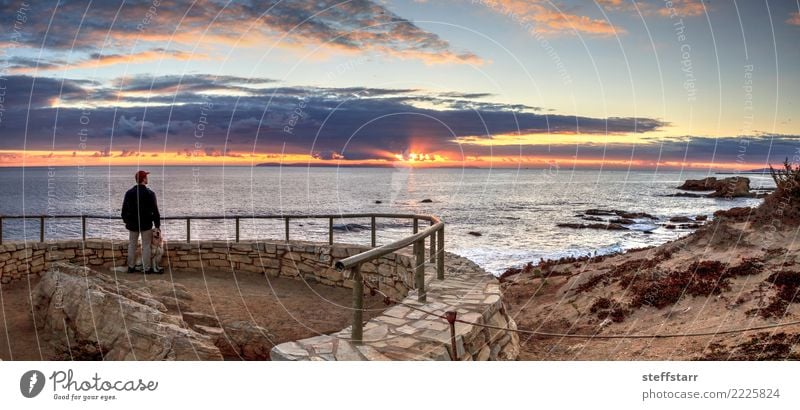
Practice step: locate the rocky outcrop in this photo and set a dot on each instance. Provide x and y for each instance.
(245, 340)
(619, 213)
(605, 226)
(75, 306)
(705, 184)
(731, 187)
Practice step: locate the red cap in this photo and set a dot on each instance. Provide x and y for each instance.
(140, 176)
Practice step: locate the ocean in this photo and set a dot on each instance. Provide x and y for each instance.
(515, 212)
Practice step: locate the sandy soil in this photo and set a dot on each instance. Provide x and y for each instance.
(641, 292)
(289, 309)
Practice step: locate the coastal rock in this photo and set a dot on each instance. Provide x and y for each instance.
(680, 219)
(734, 187)
(686, 195)
(195, 319)
(245, 340)
(609, 226)
(619, 213)
(426, 201)
(349, 227)
(731, 187)
(173, 295)
(473, 233)
(622, 221)
(739, 214)
(600, 212)
(125, 323)
(705, 184)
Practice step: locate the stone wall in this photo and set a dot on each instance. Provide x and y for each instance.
(392, 274)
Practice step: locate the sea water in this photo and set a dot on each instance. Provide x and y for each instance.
(515, 211)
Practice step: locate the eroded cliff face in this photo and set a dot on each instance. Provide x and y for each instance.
(739, 271)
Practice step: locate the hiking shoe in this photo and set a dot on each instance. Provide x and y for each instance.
(131, 270)
(155, 271)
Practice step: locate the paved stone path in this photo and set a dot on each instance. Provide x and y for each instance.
(403, 333)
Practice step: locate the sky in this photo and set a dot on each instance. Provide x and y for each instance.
(480, 83)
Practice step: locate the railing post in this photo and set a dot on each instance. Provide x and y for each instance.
(83, 227)
(237, 229)
(419, 273)
(41, 229)
(416, 225)
(440, 254)
(1, 230)
(188, 230)
(374, 228)
(287, 229)
(433, 244)
(451, 319)
(330, 231)
(357, 333)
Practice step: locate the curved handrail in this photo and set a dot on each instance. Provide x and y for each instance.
(388, 248)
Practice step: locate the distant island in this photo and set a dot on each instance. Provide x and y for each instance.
(348, 165)
(751, 171)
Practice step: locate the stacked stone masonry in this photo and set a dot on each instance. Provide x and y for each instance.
(400, 333)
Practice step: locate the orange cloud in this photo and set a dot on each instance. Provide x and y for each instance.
(553, 138)
(547, 18)
(682, 8)
(794, 19)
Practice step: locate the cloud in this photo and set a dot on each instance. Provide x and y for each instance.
(29, 92)
(683, 8)
(354, 122)
(356, 25)
(328, 155)
(547, 18)
(4, 157)
(103, 153)
(132, 127)
(673, 8)
(794, 19)
(19, 64)
(128, 153)
(24, 65)
(171, 84)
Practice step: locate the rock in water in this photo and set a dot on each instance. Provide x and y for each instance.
(732, 187)
(726, 187)
(705, 184)
(126, 323)
(680, 219)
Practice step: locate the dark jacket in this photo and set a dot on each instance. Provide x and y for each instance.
(140, 209)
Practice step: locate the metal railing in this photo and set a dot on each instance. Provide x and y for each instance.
(417, 239)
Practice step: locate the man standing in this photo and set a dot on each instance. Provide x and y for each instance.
(140, 214)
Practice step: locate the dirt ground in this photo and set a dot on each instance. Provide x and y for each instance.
(290, 309)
